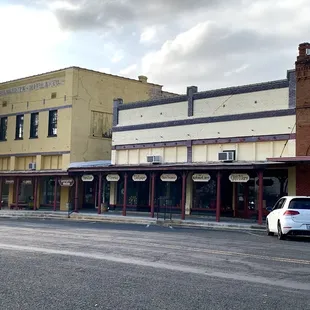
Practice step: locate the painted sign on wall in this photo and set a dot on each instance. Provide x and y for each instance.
(139, 177)
(66, 182)
(32, 87)
(87, 178)
(113, 177)
(168, 177)
(201, 177)
(239, 178)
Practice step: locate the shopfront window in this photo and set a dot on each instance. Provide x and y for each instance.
(47, 191)
(204, 195)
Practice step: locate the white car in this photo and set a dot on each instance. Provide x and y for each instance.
(290, 216)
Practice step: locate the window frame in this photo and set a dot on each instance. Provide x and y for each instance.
(52, 124)
(3, 128)
(34, 128)
(19, 127)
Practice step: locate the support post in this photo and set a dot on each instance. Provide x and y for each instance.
(246, 200)
(96, 192)
(125, 194)
(17, 192)
(260, 197)
(152, 194)
(218, 197)
(1, 185)
(183, 195)
(235, 197)
(35, 193)
(99, 193)
(55, 194)
(76, 194)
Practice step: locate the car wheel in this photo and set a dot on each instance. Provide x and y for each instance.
(281, 236)
(269, 233)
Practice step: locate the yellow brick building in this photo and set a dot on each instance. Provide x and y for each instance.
(50, 120)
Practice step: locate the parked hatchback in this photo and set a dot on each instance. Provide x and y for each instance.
(290, 216)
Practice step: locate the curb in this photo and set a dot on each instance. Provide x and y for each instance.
(128, 220)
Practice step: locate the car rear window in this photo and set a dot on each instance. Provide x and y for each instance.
(300, 203)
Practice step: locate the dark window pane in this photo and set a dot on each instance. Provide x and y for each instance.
(300, 203)
(34, 125)
(3, 128)
(52, 123)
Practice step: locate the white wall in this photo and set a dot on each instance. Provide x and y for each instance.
(275, 99)
(251, 127)
(268, 100)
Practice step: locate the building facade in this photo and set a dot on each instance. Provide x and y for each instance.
(204, 153)
(51, 120)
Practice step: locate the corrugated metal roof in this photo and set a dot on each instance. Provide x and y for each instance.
(90, 164)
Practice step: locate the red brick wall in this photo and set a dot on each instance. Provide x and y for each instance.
(303, 118)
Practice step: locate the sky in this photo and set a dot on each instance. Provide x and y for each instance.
(175, 43)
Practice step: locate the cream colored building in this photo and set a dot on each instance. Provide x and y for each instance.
(206, 152)
(50, 120)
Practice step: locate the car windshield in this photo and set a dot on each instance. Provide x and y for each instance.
(300, 203)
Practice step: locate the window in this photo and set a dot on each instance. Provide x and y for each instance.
(34, 125)
(19, 133)
(3, 128)
(52, 123)
(53, 95)
(300, 204)
(101, 124)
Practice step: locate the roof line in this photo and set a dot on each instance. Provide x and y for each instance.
(73, 67)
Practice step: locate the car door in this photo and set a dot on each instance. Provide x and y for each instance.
(274, 215)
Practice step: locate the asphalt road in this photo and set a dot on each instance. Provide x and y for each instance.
(67, 265)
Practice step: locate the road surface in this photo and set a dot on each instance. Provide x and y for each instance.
(48, 264)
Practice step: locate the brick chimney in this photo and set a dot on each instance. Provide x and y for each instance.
(302, 66)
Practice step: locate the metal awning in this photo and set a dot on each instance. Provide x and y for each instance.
(246, 165)
(30, 173)
(295, 159)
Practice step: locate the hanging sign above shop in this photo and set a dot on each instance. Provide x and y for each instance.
(239, 178)
(113, 177)
(168, 177)
(66, 182)
(27, 182)
(201, 177)
(9, 181)
(87, 178)
(139, 177)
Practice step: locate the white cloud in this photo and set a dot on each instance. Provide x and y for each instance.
(129, 71)
(29, 42)
(118, 56)
(148, 34)
(58, 5)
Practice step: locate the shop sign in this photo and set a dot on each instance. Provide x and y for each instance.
(66, 182)
(139, 177)
(113, 177)
(87, 178)
(168, 177)
(27, 182)
(9, 181)
(239, 178)
(201, 177)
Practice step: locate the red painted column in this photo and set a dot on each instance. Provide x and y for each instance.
(218, 197)
(236, 200)
(1, 185)
(17, 192)
(55, 194)
(35, 193)
(183, 196)
(76, 195)
(99, 193)
(246, 200)
(125, 194)
(152, 194)
(260, 197)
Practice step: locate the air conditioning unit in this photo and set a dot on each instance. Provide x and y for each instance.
(32, 166)
(226, 156)
(153, 159)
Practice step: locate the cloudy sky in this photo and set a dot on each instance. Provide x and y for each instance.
(176, 43)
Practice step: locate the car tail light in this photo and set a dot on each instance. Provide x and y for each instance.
(291, 212)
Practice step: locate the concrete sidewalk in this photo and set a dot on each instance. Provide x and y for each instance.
(129, 219)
